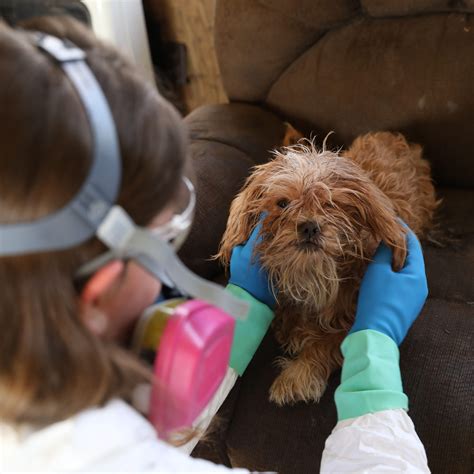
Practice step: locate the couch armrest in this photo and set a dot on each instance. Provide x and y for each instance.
(227, 140)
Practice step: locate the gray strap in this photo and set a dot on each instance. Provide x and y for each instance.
(126, 240)
(80, 218)
(157, 254)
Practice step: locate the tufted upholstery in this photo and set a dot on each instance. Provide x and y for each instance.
(348, 66)
(394, 70)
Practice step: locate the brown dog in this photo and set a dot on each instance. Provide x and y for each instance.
(325, 216)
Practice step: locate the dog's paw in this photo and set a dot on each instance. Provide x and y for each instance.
(297, 382)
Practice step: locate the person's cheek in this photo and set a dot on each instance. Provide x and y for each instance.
(139, 291)
(146, 287)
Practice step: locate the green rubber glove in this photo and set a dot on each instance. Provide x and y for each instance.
(248, 333)
(370, 379)
(388, 304)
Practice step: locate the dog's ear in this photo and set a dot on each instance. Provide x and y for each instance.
(244, 214)
(377, 214)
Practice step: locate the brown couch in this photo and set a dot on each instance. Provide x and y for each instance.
(348, 66)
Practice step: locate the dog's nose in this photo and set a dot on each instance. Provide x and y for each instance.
(308, 230)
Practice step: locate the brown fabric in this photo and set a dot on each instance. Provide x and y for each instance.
(391, 74)
(251, 62)
(456, 212)
(437, 364)
(216, 183)
(332, 66)
(247, 128)
(450, 267)
(321, 14)
(413, 7)
(226, 141)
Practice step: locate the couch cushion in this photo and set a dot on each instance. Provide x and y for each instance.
(216, 184)
(322, 14)
(257, 39)
(248, 128)
(390, 74)
(437, 363)
(450, 267)
(414, 7)
(353, 67)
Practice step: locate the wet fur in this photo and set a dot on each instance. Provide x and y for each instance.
(355, 198)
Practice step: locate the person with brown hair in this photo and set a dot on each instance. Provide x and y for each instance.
(94, 203)
(82, 136)
(50, 363)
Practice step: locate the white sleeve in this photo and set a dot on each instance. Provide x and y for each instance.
(205, 418)
(113, 438)
(385, 441)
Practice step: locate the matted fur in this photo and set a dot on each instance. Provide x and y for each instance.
(351, 201)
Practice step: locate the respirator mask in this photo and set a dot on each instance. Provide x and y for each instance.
(190, 338)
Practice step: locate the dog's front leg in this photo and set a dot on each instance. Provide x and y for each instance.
(305, 377)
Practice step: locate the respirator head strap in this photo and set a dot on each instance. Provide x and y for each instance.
(79, 219)
(92, 210)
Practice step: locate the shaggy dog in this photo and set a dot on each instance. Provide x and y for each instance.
(324, 216)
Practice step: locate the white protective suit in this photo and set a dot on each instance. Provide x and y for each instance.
(117, 438)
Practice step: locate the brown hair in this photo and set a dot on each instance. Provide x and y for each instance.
(51, 366)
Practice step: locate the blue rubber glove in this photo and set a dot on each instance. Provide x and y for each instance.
(247, 273)
(389, 301)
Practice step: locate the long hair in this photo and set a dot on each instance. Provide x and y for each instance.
(51, 366)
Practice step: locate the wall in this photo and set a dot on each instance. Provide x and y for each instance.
(191, 22)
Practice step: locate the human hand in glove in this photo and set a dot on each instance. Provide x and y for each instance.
(390, 301)
(249, 281)
(388, 304)
(246, 271)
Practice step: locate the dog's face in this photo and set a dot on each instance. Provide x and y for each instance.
(323, 219)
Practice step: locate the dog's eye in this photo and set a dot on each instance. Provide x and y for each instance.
(283, 203)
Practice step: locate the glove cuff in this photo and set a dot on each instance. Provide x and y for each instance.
(370, 379)
(253, 279)
(248, 333)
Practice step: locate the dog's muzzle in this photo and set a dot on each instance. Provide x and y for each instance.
(309, 235)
